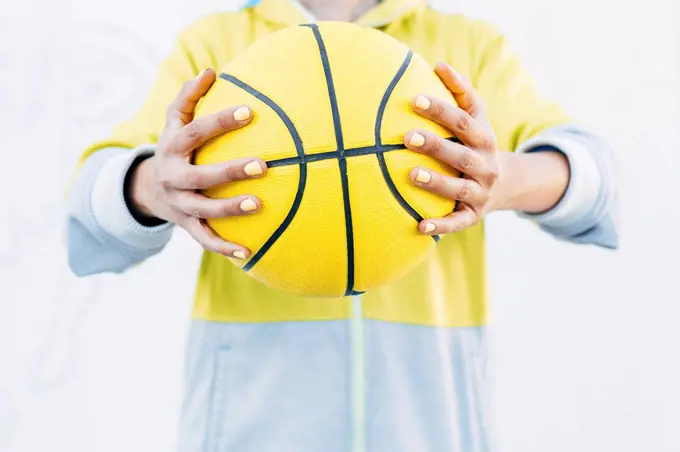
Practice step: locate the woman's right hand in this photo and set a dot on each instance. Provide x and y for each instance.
(166, 185)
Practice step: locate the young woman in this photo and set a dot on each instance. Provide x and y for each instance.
(397, 369)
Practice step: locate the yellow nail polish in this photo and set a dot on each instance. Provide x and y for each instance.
(239, 255)
(242, 113)
(253, 169)
(429, 227)
(422, 103)
(423, 177)
(248, 205)
(416, 140)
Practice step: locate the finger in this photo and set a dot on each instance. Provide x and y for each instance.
(453, 154)
(465, 95)
(201, 130)
(457, 120)
(454, 188)
(201, 177)
(453, 222)
(210, 241)
(200, 206)
(181, 111)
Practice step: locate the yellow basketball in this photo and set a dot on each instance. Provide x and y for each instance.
(331, 103)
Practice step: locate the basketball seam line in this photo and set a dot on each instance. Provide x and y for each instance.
(342, 162)
(381, 158)
(352, 152)
(303, 167)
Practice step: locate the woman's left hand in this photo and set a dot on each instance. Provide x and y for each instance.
(476, 157)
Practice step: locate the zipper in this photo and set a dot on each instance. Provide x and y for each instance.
(358, 376)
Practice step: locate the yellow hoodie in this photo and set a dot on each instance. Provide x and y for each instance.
(452, 281)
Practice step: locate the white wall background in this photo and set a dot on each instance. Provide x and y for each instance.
(585, 341)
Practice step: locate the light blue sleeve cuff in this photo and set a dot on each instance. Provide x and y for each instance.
(586, 212)
(102, 235)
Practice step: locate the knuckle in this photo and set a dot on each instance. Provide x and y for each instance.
(467, 159)
(464, 190)
(489, 142)
(436, 145)
(464, 121)
(195, 179)
(224, 122)
(460, 224)
(165, 181)
(474, 110)
(197, 211)
(193, 131)
(452, 227)
(231, 172)
(228, 209)
(438, 109)
(435, 183)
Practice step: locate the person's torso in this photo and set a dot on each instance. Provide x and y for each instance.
(448, 289)
(397, 369)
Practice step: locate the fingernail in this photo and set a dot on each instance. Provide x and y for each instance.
(201, 73)
(445, 65)
(429, 227)
(423, 176)
(422, 103)
(248, 205)
(239, 255)
(253, 169)
(416, 140)
(242, 113)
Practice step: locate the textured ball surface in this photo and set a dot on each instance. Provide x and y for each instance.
(331, 103)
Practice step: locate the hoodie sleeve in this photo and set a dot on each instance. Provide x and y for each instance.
(525, 121)
(102, 234)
